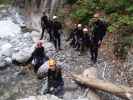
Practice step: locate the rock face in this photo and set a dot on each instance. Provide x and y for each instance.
(22, 56)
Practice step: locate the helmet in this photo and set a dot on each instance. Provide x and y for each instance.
(97, 15)
(39, 44)
(79, 25)
(55, 17)
(51, 63)
(85, 30)
(75, 24)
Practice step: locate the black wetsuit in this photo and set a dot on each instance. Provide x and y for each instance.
(57, 34)
(72, 37)
(55, 81)
(39, 57)
(44, 23)
(86, 42)
(79, 38)
(98, 33)
(49, 29)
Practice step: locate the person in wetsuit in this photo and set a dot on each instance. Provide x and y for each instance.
(72, 37)
(79, 37)
(44, 23)
(57, 30)
(38, 56)
(55, 81)
(98, 33)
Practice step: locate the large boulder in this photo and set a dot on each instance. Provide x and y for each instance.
(23, 55)
(43, 70)
(35, 36)
(2, 65)
(49, 49)
(4, 62)
(6, 50)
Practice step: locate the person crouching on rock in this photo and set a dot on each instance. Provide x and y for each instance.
(38, 56)
(55, 80)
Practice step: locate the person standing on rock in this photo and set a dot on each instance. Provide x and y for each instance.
(55, 80)
(85, 40)
(79, 37)
(38, 56)
(72, 36)
(99, 28)
(44, 23)
(57, 30)
(49, 29)
(98, 33)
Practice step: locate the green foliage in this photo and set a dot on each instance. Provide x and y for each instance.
(118, 20)
(119, 14)
(124, 41)
(80, 15)
(5, 1)
(130, 9)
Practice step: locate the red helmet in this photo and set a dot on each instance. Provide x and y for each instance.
(39, 44)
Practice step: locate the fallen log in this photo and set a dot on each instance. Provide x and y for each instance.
(118, 90)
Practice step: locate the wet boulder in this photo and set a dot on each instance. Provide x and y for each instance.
(5, 62)
(6, 49)
(35, 36)
(49, 49)
(23, 55)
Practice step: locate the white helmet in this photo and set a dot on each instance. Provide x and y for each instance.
(85, 30)
(79, 25)
(55, 17)
(97, 15)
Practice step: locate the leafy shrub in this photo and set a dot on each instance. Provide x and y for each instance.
(124, 41)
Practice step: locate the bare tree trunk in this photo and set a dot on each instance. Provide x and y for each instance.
(118, 90)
